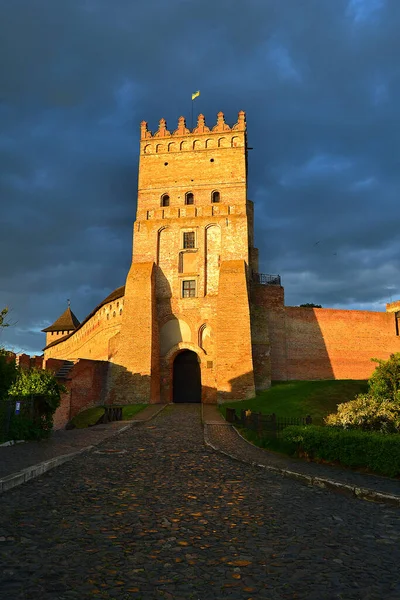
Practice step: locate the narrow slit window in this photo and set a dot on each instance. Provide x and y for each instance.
(165, 200)
(188, 239)
(189, 288)
(215, 197)
(189, 198)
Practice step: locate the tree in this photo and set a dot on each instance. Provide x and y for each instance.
(40, 393)
(310, 305)
(8, 373)
(3, 314)
(8, 370)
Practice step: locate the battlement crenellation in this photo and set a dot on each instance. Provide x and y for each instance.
(200, 129)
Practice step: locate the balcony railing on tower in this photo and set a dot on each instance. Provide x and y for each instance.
(263, 279)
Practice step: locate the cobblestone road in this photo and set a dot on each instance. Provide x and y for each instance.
(170, 518)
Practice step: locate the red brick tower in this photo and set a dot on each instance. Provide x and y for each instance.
(185, 332)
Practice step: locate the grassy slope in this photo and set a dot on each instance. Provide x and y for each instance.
(92, 415)
(128, 412)
(301, 398)
(88, 417)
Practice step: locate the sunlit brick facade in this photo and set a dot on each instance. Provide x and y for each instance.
(194, 286)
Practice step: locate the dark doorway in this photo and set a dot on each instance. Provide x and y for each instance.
(186, 377)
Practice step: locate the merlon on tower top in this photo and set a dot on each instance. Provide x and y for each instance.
(201, 128)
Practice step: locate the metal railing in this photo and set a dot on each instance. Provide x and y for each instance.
(270, 425)
(263, 279)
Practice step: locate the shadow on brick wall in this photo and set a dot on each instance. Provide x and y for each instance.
(307, 355)
(296, 345)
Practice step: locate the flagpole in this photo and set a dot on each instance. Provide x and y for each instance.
(194, 96)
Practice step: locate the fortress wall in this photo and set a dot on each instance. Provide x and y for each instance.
(91, 340)
(261, 348)
(86, 387)
(270, 299)
(235, 378)
(325, 343)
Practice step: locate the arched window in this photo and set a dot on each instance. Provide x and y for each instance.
(215, 197)
(189, 198)
(165, 200)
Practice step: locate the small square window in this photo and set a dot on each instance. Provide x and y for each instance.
(189, 288)
(188, 239)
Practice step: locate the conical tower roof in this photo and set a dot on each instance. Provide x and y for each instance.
(67, 322)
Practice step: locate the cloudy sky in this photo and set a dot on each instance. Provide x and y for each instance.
(318, 79)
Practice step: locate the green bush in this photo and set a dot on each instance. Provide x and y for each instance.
(367, 413)
(377, 452)
(8, 373)
(40, 396)
(384, 383)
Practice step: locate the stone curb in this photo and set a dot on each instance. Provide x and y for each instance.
(15, 479)
(12, 443)
(321, 482)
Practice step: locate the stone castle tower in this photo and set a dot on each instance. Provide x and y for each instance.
(195, 321)
(186, 327)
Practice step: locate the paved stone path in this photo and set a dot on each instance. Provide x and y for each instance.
(153, 513)
(20, 456)
(226, 439)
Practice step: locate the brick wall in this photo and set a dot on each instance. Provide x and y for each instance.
(136, 360)
(91, 340)
(86, 386)
(235, 377)
(260, 339)
(323, 343)
(269, 301)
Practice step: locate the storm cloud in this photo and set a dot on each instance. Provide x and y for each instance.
(318, 79)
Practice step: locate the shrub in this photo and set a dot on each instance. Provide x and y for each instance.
(384, 382)
(367, 413)
(378, 452)
(36, 418)
(8, 373)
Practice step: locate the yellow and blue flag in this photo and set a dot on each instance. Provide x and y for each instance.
(195, 95)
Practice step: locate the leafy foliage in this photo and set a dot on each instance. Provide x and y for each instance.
(358, 449)
(377, 410)
(3, 314)
(36, 418)
(384, 383)
(8, 373)
(367, 413)
(310, 305)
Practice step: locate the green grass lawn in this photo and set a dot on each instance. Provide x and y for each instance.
(301, 398)
(88, 417)
(128, 412)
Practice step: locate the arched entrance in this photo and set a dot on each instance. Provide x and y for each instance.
(186, 383)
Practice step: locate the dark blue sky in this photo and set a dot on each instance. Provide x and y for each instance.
(318, 79)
